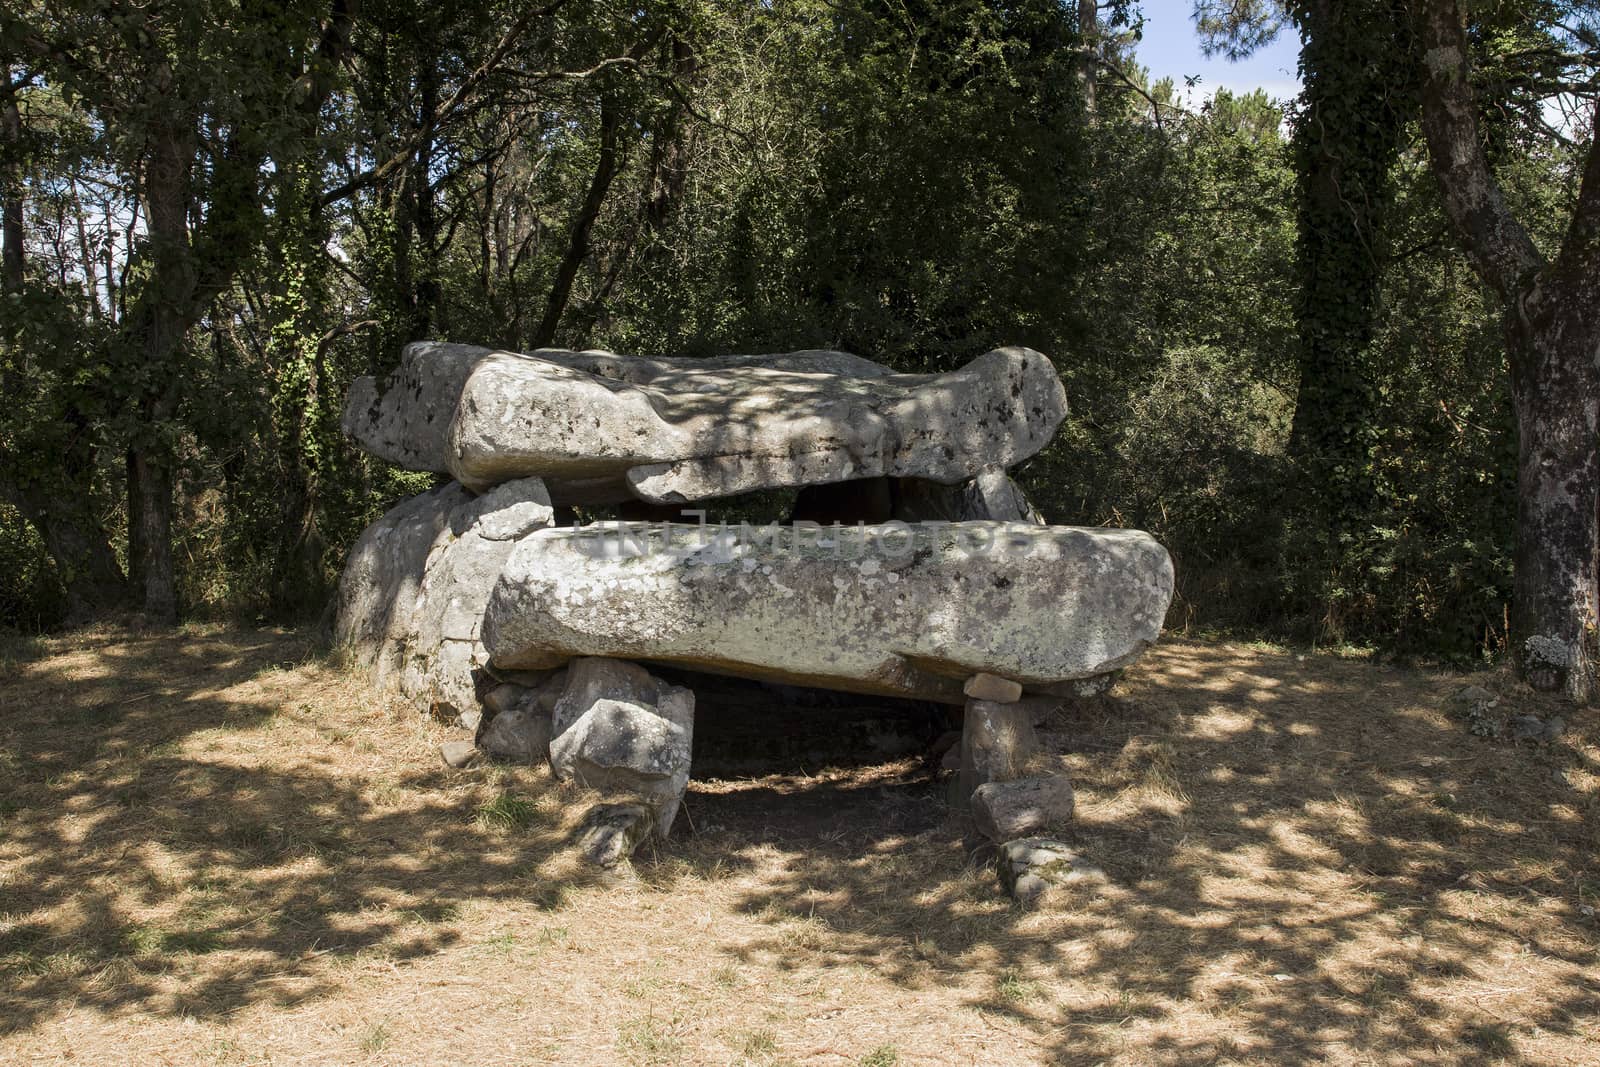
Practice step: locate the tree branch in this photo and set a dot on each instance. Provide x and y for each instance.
(1500, 249)
(446, 111)
(1579, 259)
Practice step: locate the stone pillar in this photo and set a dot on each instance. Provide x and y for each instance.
(997, 740)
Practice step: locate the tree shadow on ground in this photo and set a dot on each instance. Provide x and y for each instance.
(145, 832)
(1305, 858)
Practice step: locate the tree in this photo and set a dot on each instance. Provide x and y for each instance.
(1352, 122)
(1551, 315)
(195, 99)
(48, 448)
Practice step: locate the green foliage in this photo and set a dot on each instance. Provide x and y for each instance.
(1273, 360)
(508, 811)
(30, 589)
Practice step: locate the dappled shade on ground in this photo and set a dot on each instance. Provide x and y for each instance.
(216, 847)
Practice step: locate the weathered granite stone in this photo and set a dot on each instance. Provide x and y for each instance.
(704, 434)
(983, 686)
(442, 644)
(504, 697)
(611, 832)
(381, 576)
(619, 729)
(458, 753)
(1032, 866)
(990, 495)
(901, 610)
(997, 740)
(521, 735)
(405, 419)
(1024, 806)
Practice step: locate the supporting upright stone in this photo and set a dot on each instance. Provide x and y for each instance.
(620, 729)
(997, 740)
(1023, 807)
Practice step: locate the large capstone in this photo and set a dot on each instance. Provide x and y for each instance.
(600, 428)
(896, 609)
(405, 418)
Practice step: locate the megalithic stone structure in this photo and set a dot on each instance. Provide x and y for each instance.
(472, 603)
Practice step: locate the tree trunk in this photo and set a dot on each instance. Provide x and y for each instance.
(578, 243)
(136, 549)
(77, 544)
(154, 526)
(1088, 40)
(1352, 125)
(669, 162)
(11, 232)
(159, 329)
(1556, 598)
(1552, 316)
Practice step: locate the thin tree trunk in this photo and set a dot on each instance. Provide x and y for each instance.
(426, 292)
(11, 273)
(578, 243)
(1088, 40)
(136, 549)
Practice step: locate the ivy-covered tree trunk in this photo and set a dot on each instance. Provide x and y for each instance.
(1348, 134)
(157, 332)
(301, 423)
(1552, 316)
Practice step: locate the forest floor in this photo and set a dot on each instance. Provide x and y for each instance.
(216, 848)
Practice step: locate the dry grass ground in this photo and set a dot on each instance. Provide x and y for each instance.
(216, 848)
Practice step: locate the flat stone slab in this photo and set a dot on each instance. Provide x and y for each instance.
(599, 428)
(897, 609)
(405, 418)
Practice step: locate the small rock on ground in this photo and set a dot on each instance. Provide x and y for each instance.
(1474, 696)
(521, 735)
(1533, 728)
(611, 832)
(1032, 866)
(1005, 811)
(458, 753)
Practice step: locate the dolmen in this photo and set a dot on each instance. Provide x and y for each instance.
(567, 552)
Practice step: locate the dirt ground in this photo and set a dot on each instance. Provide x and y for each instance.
(217, 848)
